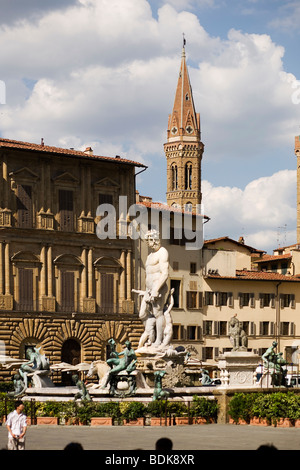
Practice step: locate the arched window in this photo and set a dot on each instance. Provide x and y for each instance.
(188, 207)
(174, 177)
(188, 175)
(71, 352)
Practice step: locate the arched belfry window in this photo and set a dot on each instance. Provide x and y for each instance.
(174, 171)
(188, 175)
(188, 207)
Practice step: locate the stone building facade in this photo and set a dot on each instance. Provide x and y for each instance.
(61, 286)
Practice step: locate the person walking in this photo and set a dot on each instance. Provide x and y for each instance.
(16, 424)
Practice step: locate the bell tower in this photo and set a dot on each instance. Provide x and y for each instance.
(184, 148)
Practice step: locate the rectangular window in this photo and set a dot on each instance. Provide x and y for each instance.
(284, 327)
(25, 289)
(176, 332)
(67, 291)
(105, 199)
(175, 284)
(265, 300)
(66, 214)
(191, 299)
(246, 327)
(223, 297)
(264, 328)
(287, 300)
(209, 298)
(223, 328)
(192, 333)
(244, 299)
(207, 353)
(207, 327)
(193, 268)
(175, 265)
(24, 206)
(107, 293)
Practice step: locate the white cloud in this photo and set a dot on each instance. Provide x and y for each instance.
(245, 98)
(288, 17)
(189, 4)
(264, 212)
(111, 65)
(103, 73)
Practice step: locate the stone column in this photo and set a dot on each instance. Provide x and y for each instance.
(83, 275)
(43, 271)
(6, 299)
(90, 272)
(7, 269)
(122, 277)
(49, 268)
(128, 273)
(1, 268)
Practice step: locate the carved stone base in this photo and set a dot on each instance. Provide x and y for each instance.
(89, 305)
(45, 220)
(48, 304)
(86, 224)
(5, 218)
(6, 302)
(128, 306)
(238, 369)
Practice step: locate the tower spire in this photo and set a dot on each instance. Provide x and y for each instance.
(184, 148)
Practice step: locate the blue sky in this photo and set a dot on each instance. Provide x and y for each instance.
(103, 74)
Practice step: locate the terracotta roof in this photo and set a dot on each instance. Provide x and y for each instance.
(27, 146)
(225, 238)
(281, 248)
(244, 275)
(165, 207)
(266, 258)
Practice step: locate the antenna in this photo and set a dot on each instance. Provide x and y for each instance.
(279, 234)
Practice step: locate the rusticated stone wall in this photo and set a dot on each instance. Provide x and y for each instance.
(51, 332)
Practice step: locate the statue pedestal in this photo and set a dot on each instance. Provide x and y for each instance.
(238, 369)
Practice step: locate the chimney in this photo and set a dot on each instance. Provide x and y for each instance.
(42, 142)
(89, 151)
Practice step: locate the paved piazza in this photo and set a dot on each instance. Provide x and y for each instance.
(198, 437)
